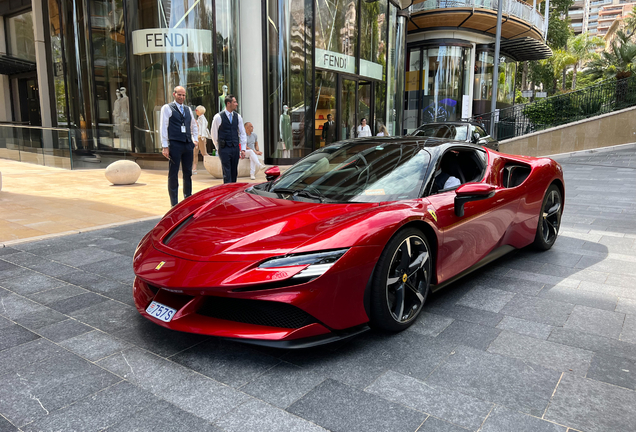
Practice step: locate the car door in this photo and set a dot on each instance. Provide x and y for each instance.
(471, 237)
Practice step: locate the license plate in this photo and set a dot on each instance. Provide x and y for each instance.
(161, 312)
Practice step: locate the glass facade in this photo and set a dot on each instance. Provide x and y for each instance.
(289, 58)
(172, 45)
(115, 63)
(484, 66)
(21, 40)
(438, 78)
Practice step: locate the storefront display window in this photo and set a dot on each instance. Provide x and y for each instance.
(57, 56)
(484, 65)
(111, 76)
(435, 93)
(289, 93)
(337, 32)
(172, 44)
(227, 53)
(21, 37)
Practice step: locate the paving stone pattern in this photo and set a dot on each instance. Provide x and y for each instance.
(533, 342)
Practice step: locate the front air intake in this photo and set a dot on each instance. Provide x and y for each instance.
(258, 312)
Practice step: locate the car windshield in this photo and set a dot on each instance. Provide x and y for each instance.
(449, 131)
(357, 172)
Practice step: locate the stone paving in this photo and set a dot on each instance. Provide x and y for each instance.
(533, 342)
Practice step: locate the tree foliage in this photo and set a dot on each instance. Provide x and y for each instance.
(617, 61)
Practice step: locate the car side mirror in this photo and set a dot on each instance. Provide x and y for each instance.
(272, 173)
(471, 192)
(475, 138)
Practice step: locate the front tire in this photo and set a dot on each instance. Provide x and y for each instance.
(401, 282)
(549, 219)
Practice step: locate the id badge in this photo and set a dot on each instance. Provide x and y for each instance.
(183, 130)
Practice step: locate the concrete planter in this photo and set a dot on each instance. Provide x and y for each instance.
(213, 166)
(122, 172)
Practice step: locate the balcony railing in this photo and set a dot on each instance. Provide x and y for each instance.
(518, 9)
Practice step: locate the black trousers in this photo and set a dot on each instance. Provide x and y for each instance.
(230, 156)
(181, 153)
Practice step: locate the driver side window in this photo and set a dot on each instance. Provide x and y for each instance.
(456, 167)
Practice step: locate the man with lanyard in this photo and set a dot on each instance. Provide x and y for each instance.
(178, 132)
(228, 133)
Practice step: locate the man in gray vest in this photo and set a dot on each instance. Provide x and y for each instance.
(179, 131)
(228, 134)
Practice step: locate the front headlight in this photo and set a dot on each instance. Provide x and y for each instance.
(318, 262)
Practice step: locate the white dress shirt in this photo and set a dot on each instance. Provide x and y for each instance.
(216, 124)
(202, 122)
(166, 113)
(364, 131)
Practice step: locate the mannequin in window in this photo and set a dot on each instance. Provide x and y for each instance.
(124, 119)
(222, 98)
(116, 112)
(285, 132)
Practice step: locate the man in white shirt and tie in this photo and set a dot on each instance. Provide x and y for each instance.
(329, 130)
(229, 137)
(178, 134)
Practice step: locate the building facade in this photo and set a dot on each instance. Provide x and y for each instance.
(450, 57)
(84, 80)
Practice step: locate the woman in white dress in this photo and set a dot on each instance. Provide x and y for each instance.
(204, 134)
(364, 130)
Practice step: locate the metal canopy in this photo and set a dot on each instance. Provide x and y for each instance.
(13, 65)
(527, 48)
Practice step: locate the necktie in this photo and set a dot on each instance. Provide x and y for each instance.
(230, 117)
(181, 109)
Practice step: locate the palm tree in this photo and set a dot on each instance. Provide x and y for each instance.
(560, 60)
(582, 48)
(616, 62)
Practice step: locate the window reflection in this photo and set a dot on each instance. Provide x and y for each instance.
(21, 36)
(484, 65)
(289, 64)
(158, 73)
(435, 93)
(336, 26)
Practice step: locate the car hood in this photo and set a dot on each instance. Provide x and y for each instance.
(245, 227)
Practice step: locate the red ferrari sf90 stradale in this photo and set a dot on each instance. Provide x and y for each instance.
(355, 235)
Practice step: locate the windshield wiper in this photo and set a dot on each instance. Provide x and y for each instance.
(300, 192)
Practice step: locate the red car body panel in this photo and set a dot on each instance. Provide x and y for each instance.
(211, 246)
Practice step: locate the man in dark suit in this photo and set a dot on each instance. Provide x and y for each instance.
(329, 130)
(228, 134)
(179, 132)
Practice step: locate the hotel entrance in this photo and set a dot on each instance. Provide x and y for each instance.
(342, 101)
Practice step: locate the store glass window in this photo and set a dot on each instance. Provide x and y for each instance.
(484, 66)
(172, 45)
(289, 64)
(373, 38)
(412, 89)
(57, 56)
(112, 94)
(21, 37)
(228, 54)
(337, 29)
(444, 82)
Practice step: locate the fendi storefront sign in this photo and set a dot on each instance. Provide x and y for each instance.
(335, 61)
(163, 40)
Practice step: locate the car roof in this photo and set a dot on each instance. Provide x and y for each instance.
(456, 123)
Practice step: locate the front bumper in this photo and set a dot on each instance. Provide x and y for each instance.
(328, 308)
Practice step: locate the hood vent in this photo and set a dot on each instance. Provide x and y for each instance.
(176, 229)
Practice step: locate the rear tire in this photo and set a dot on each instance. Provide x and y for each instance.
(549, 219)
(401, 281)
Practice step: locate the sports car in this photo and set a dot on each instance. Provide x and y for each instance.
(354, 236)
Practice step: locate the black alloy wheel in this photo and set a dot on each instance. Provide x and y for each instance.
(401, 281)
(549, 219)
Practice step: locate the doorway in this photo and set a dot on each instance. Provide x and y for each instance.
(29, 95)
(342, 101)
